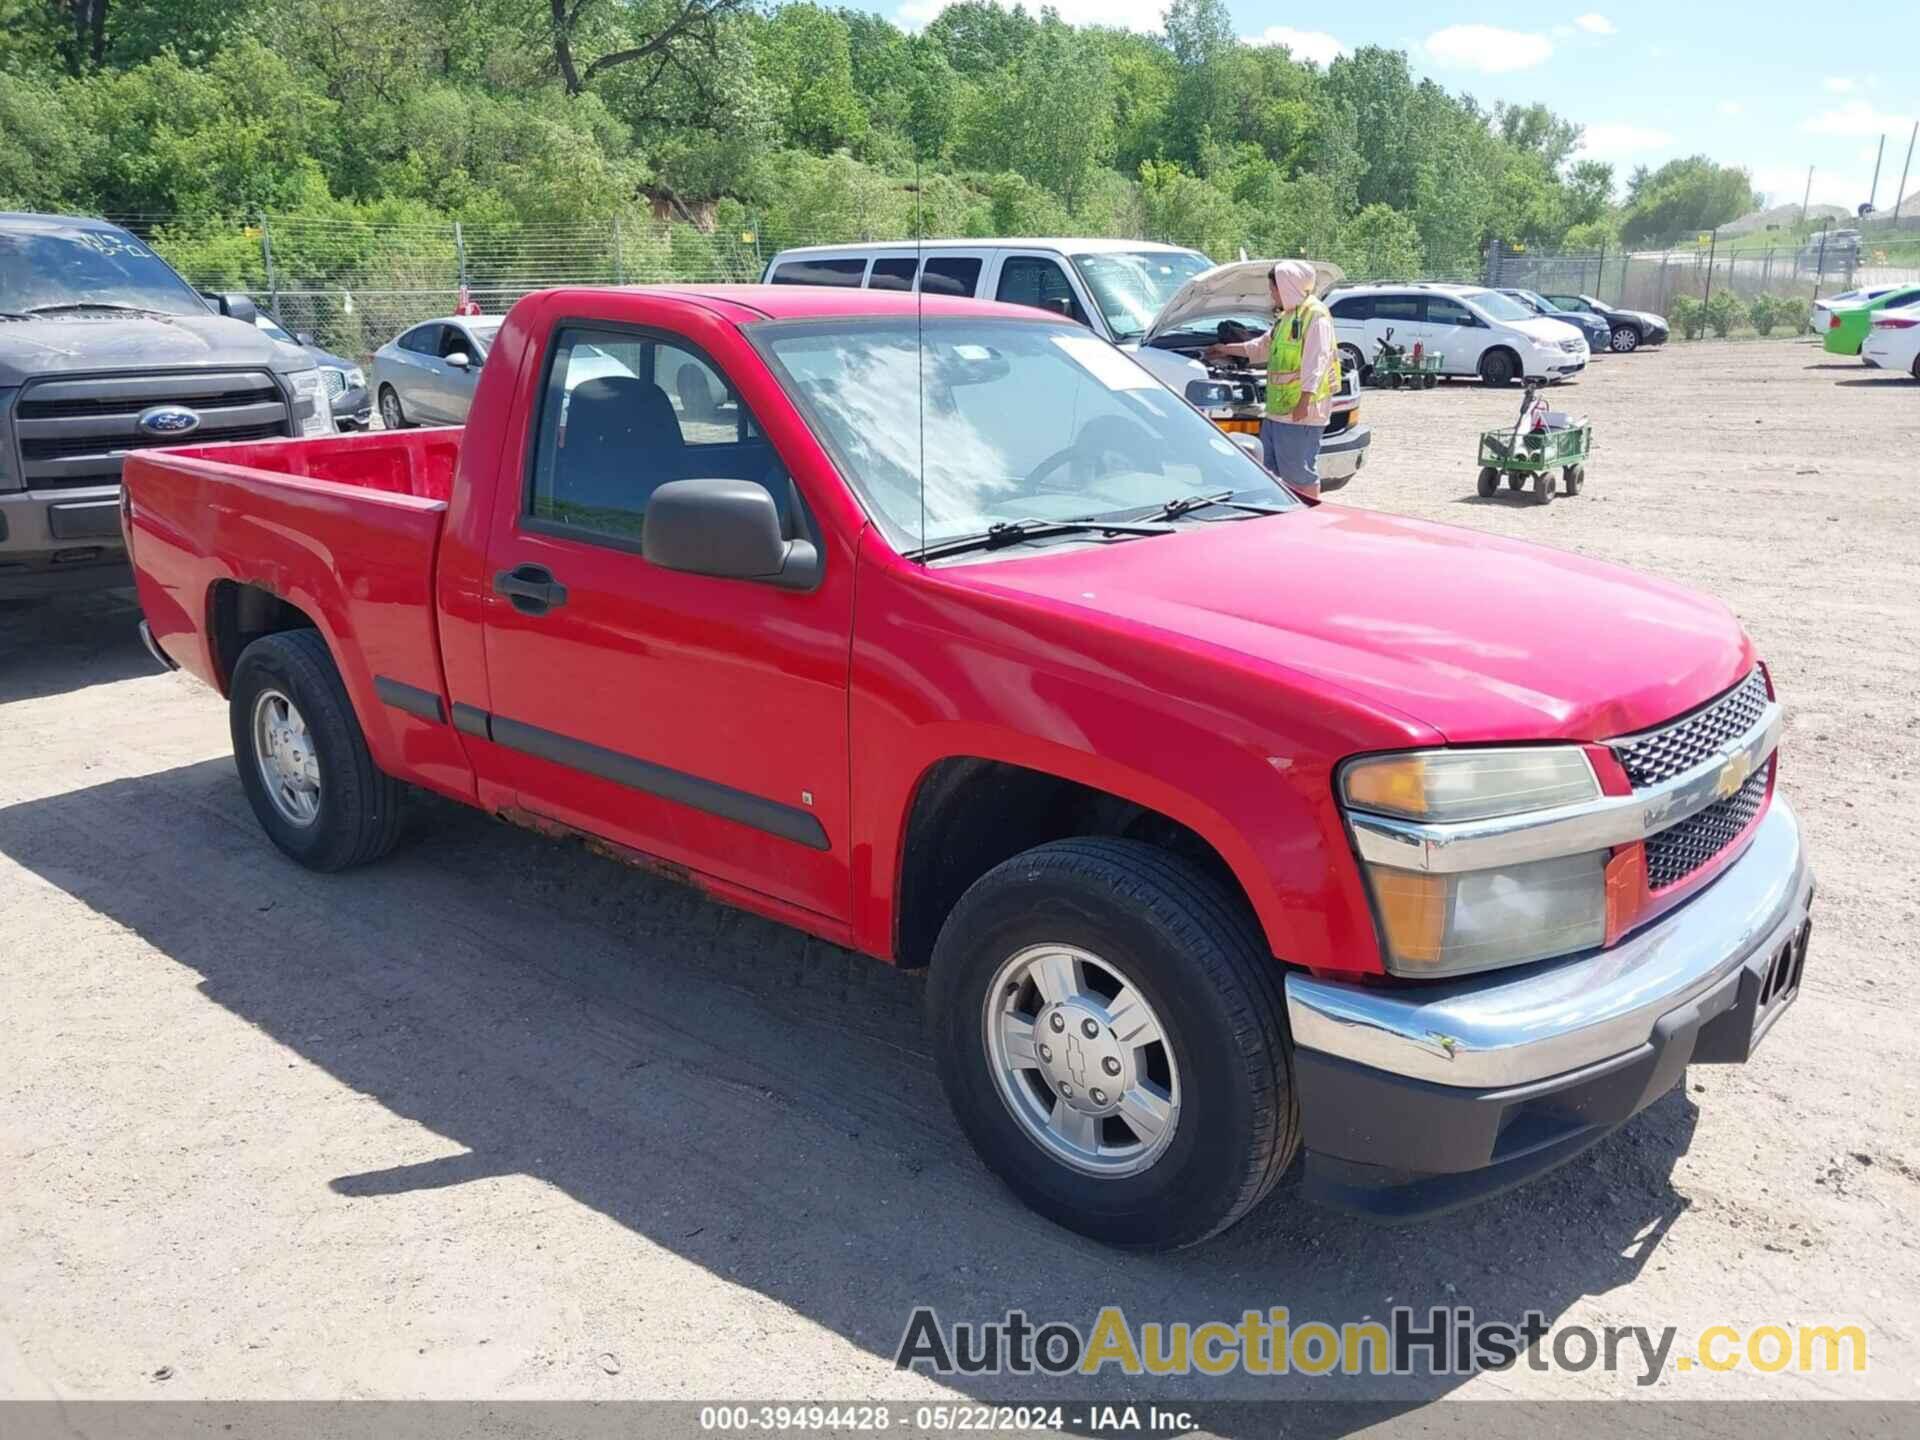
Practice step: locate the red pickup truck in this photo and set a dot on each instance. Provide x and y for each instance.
(1232, 828)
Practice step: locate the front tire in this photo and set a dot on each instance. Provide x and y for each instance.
(1498, 367)
(392, 417)
(1352, 360)
(1162, 1109)
(302, 758)
(1625, 340)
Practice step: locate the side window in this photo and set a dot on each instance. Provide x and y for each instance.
(820, 272)
(892, 273)
(1400, 309)
(1354, 307)
(1568, 302)
(1029, 280)
(951, 275)
(1900, 302)
(452, 339)
(1442, 311)
(422, 340)
(623, 414)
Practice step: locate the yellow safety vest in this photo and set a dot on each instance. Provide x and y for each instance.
(1289, 340)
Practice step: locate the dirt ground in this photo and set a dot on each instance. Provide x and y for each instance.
(503, 1119)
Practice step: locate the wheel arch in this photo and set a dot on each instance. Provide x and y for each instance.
(240, 612)
(968, 813)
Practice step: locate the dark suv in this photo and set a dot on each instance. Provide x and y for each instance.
(105, 349)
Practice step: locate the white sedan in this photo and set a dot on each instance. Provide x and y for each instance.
(1894, 341)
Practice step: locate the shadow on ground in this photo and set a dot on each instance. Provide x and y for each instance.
(759, 1103)
(68, 642)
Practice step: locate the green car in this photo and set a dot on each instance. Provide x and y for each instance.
(1848, 322)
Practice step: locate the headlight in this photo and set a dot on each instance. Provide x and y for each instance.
(1435, 923)
(356, 378)
(312, 411)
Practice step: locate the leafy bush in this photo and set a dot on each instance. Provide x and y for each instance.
(1723, 312)
(1790, 313)
(1687, 316)
(1760, 314)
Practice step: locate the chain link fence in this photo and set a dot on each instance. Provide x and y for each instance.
(352, 285)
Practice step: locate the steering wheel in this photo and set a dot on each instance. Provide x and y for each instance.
(1100, 438)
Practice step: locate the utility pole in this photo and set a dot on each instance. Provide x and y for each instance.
(1874, 194)
(1804, 199)
(1713, 245)
(1900, 195)
(266, 254)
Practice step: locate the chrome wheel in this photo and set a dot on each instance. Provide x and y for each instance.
(1081, 1060)
(289, 768)
(1624, 339)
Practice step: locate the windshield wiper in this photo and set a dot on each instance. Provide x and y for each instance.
(94, 305)
(1004, 533)
(1183, 504)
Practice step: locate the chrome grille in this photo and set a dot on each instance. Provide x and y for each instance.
(1679, 850)
(335, 380)
(1658, 755)
(75, 433)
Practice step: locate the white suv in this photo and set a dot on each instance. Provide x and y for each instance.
(1476, 331)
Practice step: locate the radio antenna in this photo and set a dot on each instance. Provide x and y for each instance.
(920, 340)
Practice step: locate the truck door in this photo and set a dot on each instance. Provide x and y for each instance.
(697, 719)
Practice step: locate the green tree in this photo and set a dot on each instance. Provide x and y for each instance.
(979, 38)
(806, 54)
(1683, 197)
(1049, 118)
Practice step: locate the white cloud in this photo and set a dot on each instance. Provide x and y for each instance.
(1620, 142)
(1487, 48)
(1315, 45)
(1594, 24)
(1839, 84)
(1141, 15)
(1729, 107)
(1857, 117)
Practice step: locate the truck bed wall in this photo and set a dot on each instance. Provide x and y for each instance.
(346, 531)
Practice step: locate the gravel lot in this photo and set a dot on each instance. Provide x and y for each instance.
(503, 1119)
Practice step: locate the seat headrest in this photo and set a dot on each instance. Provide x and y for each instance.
(618, 411)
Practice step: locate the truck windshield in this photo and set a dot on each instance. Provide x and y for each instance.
(1024, 421)
(1131, 287)
(43, 266)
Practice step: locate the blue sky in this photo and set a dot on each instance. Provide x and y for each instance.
(1769, 85)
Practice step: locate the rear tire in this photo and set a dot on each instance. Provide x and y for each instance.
(345, 811)
(1575, 477)
(1498, 367)
(1517, 482)
(1219, 1075)
(1543, 487)
(1489, 482)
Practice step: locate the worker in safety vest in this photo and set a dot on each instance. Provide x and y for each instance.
(1303, 372)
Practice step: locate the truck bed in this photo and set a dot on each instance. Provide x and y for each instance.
(344, 530)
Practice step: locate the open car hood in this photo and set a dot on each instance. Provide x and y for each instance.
(1238, 285)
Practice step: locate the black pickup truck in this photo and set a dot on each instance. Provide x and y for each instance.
(105, 349)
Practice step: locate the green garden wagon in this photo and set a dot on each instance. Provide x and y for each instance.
(1534, 455)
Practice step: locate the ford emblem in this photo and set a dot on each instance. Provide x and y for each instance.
(168, 420)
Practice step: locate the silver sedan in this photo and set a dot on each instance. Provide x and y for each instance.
(425, 375)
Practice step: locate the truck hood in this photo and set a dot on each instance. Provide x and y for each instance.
(1237, 287)
(1480, 639)
(68, 345)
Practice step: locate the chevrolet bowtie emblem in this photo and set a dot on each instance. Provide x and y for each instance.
(1732, 775)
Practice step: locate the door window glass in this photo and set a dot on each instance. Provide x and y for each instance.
(820, 272)
(892, 273)
(951, 275)
(1400, 309)
(1030, 280)
(1442, 311)
(422, 340)
(622, 415)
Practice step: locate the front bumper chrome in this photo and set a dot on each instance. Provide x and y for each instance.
(1514, 1028)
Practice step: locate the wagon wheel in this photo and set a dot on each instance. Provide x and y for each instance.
(1543, 487)
(1489, 481)
(1517, 480)
(1575, 476)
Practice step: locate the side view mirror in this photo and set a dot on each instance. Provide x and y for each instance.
(1209, 394)
(459, 360)
(303, 337)
(729, 529)
(239, 307)
(1059, 305)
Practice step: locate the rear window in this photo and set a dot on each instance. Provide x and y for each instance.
(819, 272)
(951, 275)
